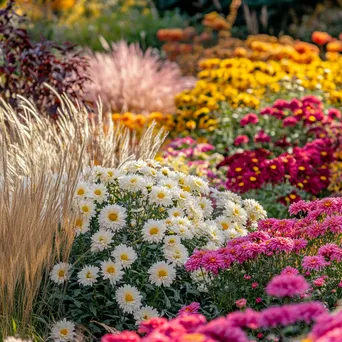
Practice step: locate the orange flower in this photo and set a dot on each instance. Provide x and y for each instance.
(321, 38)
(335, 46)
(170, 34)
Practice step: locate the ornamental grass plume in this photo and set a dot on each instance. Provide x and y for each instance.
(106, 144)
(130, 80)
(40, 163)
(33, 208)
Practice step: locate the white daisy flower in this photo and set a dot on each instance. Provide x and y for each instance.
(63, 331)
(177, 255)
(206, 206)
(132, 183)
(153, 163)
(166, 172)
(254, 209)
(112, 217)
(235, 231)
(171, 241)
(181, 196)
(153, 231)
(111, 271)
(182, 227)
(88, 275)
(134, 166)
(160, 196)
(215, 234)
(162, 273)
(101, 240)
(199, 184)
(176, 212)
(193, 210)
(87, 208)
(81, 225)
(111, 175)
(129, 298)
(236, 212)
(224, 222)
(145, 313)
(98, 172)
(169, 183)
(82, 190)
(98, 192)
(222, 197)
(124, 255)
(149, 171)
(60, 273)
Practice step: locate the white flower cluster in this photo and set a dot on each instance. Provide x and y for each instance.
(146, 208)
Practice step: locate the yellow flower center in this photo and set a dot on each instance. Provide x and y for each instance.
(113, 216)
(89, 275)
(162, 273)
(124, 257)
(133, 180)
(80, 192)
(79, 223)
(129, 297)
(238, 169)
(61, 273)
(224, 226)
(111, 270)
(64, 331)
(301, 168)
(273, 167)
(154, 231)
(98, 192)
(85, 209)
(161, 195)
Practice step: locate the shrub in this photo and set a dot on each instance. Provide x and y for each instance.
(130, 80)
(304, 245)
(135, 229)
(27, 66)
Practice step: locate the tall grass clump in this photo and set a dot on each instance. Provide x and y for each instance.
(41, 162)
(130, 80)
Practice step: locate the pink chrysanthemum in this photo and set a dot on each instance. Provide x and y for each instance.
(333, 223)
(189, 309)
(297, 207)
(244, 319)
(194, 263)
(329, 205)
(316, 263)
(280, 244)
(290, 314)
(213, 261)
(287, 285)
(125, 336)
(289, 271)
(299, 244)
(330, 251)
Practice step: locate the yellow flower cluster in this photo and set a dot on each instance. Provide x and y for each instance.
(139, 121)
(244, 83)
(335, 185)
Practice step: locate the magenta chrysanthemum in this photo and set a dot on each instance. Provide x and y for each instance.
(287, 285)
